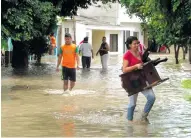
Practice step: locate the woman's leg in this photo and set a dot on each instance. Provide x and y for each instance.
(131, 106)
(149, 94)
(104, 60)
(101, 57)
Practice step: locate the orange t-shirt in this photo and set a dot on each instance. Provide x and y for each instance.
(69, 53)
(53, 41)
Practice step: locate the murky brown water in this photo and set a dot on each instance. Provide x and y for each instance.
(32, 104)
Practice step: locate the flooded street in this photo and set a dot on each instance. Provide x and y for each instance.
(33, 104)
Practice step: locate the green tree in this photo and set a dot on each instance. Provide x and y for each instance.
(169, 21)
(26, 21)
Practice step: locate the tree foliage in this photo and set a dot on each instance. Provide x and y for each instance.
(169, 21)
(23, 20)
(28, 22)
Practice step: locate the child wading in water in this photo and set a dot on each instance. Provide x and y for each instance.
(132, 60)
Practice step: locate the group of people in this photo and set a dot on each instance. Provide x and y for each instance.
(132, 60)
(69, 56)
(86, 50)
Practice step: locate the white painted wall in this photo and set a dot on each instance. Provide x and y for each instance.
(90, 35)
(70, 25)
(120, 40)
(80, 32)
(113, 12)
(107, 12)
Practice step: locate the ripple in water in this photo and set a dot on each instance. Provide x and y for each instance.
(92, 118)
(68, 93)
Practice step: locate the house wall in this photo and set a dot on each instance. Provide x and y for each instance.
(132, 27)
(113, 13)
(120, 39)
(106, 12)
(97, 36)
(67, 24)
(95, 33)
(136, 27)
(81, 32)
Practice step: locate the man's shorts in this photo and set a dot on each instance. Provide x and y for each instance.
(69, 74)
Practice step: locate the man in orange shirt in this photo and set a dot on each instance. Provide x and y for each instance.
(69, 57)
(52, 43)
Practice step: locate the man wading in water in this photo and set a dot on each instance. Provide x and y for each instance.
(87, 53)
(69, 56)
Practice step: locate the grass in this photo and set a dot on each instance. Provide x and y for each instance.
(187, 84)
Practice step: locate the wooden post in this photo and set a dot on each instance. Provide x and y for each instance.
(176, 51)
(184, 52)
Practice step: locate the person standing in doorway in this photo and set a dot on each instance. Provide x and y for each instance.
(103, 51)
(87, 53)
(69, 56)
(52, 43)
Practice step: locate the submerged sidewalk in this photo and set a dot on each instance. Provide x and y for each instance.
(186, 66)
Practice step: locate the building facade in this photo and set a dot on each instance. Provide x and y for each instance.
(98, 21)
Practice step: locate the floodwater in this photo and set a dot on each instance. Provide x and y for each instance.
(33, 103)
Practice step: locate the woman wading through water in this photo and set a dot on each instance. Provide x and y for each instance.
(132, 60)
(103, 51)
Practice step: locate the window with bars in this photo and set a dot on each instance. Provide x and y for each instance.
(66, 30)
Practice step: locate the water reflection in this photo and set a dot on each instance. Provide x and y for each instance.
(137, 130)
(68, 129)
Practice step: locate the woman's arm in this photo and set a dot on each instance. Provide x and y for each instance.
(131, 68)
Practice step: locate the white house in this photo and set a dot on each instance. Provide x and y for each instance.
(109, 21)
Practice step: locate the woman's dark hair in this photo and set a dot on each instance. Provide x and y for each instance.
(103, 37)
(129, 41)
(86, 40)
